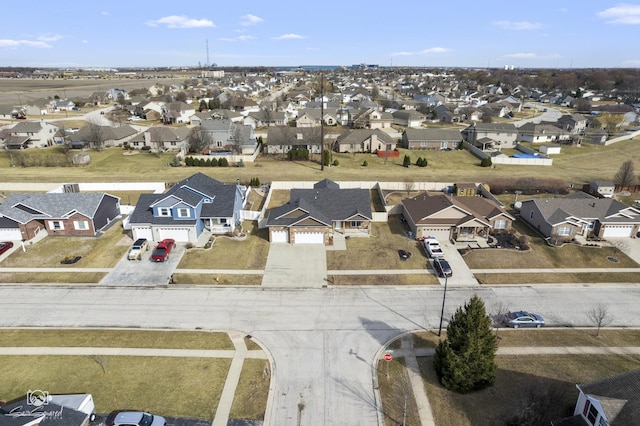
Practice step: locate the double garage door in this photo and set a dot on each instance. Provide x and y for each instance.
(178, 234)
(309, 237)
(10, 234)
(617, 231)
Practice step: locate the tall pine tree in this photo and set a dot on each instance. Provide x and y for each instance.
(465, 360)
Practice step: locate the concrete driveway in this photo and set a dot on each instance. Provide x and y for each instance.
(295, 266)
(144, 272)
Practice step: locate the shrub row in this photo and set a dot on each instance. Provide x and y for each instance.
(209, 162)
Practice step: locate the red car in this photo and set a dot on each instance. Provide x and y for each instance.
(162, 250)
(5, 245)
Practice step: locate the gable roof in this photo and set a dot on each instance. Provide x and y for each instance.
(356, 136)
(433, 134)
(557, 210)
(24, 207)
(619, 397)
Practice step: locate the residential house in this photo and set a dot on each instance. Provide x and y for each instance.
(99, 137)
(431, 138)
(225, 135)
(446, 113)
(495, 109)
(161, 138)
(314, 117)
(265, 118)
(542, 133)
(562, 219)
(9, 112)
(573, 123)
(57, 105)
(31, 134)
(23, 215)
(282, 139)
(491, 135)
(150, 110)
(321, 214)
(371, 118)
(364, 140)
(612, 401)
(454, 218)
(177, 112)
(408, 118)
(196, 205)
(115, 94)
(242, 104)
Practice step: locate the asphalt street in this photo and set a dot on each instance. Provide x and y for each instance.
(323, 341)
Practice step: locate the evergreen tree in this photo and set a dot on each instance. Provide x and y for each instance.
(327, 157)
(203, 105)
(407, 161)
(465, 360)
(486, 162)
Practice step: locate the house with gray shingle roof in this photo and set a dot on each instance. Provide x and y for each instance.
(364, 140)
(542, 133)
(192, 206)
(562, 219)
(408, 118)
(23, 215)
(491, 135)
(435, 138)
(34, 134)
(314, 216)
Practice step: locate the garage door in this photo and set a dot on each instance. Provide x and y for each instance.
(178, 234)
(617, 231)
(309, 238)
(142, 232)
(10, 234)
(279, 237)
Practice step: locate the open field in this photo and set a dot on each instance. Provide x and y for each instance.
(574, 165)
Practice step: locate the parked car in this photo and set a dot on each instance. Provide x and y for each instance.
(523, 319)
(442, 267)
(162, 250)
(5, 245)
(139, 246)
(432, 247)
(134, 418)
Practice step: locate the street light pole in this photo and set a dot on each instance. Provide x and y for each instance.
(444, 297)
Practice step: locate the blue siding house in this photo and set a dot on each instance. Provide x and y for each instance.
(192, 206)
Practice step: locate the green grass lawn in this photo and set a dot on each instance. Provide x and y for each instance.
(250, 401)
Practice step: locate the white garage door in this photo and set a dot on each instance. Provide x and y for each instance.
(178, 234)
(279, 237)
(617, 231)
(10, 234)
(309, 238)
(142, 232)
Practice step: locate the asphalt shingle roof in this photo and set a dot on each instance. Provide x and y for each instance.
(23, 207)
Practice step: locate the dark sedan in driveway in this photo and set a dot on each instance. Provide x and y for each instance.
(523, 319)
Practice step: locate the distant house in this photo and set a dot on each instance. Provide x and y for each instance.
(161, 138)
(364, 140)
(177, 112)
(371, 118)
(563, 219)
(23, 215)
(91, 134)
(408, 118)
(192, 206)
(612, 401)
(573, 123)
(31, 134)
(226, 135)
(314, 117)
(491, 135)
(282, 139)
(265, 118)
(458, 218)
(542, 133)
(431, 138)
(315, 216)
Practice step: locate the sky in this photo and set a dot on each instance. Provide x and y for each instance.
(417, 33)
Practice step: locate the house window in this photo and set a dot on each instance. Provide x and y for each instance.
(164, 211)
(590, 412)
(356, 223)
(563, 231)
(56, 225)
(219, 144)
(183, 212)
(500, 224)
(173, 143)
(223, 220)
(423, 143)
(81, 225)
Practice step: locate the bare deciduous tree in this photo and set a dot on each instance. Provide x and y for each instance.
(600, 317)
(95, 137)
(497, 315)
(625, 176)
(409, 184)
(197, 141)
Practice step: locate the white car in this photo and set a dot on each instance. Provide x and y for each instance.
(432, 247)
(134, 418)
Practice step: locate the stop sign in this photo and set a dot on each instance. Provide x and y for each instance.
(388, 357)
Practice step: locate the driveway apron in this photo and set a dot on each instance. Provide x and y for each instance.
(296, 266)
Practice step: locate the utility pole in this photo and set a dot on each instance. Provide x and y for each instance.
(444, 296)
(321, 121)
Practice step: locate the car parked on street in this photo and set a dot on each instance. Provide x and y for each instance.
(523, 319)
(5, 245)
(442, 268)
(134, 418)
(162, 250)
(139, 246)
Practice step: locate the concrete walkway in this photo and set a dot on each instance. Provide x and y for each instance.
(233, 375)
(417, 384)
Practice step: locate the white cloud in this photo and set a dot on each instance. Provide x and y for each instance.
(245, 37)
(523, 55)
(518, 25)
(105, 13)
(239, 38)
(26, 43)
(622, 14)
(85, 41)
(50, 37)
(248, 20)
(175, 21)
(288, 37)
(428, 51)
